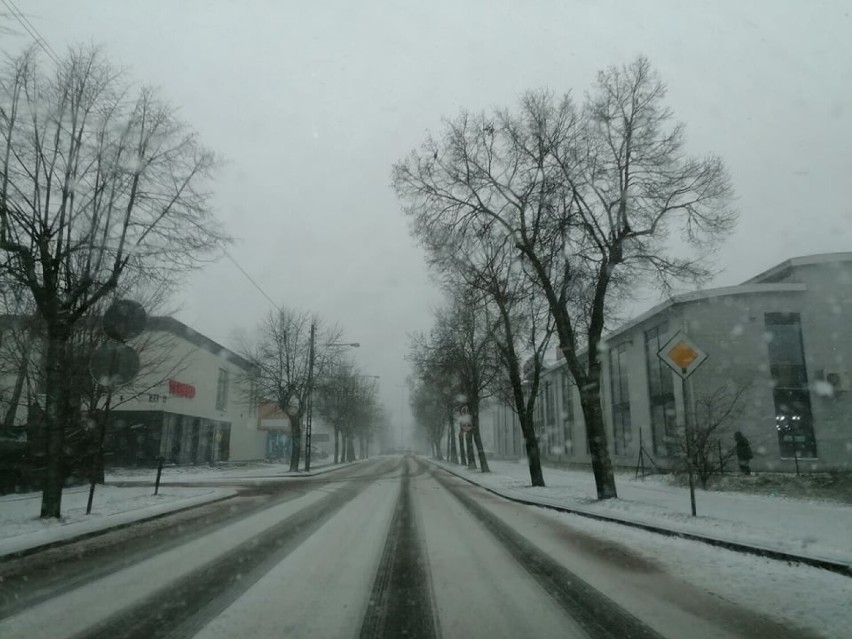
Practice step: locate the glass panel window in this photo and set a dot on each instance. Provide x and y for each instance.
(620, 399)
(549, 403)
(222, 390)
(568, 412)
(660, 390)
(793, 416)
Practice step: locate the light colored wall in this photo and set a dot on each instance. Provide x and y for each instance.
(166, 356)
(731, 328)
(827, 329)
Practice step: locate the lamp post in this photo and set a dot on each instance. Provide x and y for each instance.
(310, 407)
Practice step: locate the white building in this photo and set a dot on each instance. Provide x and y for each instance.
(784, 337)
(193, 402)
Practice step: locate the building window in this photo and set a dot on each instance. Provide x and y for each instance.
(793, 417)
(620, 398)
(538, 420)
(252, 400)
(568, 412)
(222, 390)
(660, 391)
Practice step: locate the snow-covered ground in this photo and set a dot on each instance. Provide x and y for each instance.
(211, 474)
(116, 505)
(22, 529)
(813, 599)
(809, 528)
(74, 611)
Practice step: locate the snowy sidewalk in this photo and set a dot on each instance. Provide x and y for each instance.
(814, 530)
(212, 474)
(120, 502)
(21, 529)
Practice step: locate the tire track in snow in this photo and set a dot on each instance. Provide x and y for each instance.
(184, 607)
(401, 603)
(593, 611)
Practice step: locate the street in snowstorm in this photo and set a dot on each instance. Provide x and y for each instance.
(394, 546)
(440, 319)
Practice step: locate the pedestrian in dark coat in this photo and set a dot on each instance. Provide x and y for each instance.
(743, 452)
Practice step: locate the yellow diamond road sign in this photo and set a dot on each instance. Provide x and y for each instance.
(682, 355)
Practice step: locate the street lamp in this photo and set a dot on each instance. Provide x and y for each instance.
(310, 407)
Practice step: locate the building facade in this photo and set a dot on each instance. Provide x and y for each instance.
(779, 352)
(193, 400)
(193, 403)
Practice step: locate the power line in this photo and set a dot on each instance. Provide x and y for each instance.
(30, 28)
(249, 278)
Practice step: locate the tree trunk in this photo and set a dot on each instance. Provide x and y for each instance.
(350, 448)
(462, 451)
(296, 450)
(99, 452)
(56, 416)
(452, 456)
(483, 462)
(471, 456)
(596, 433)
(533, 453)
(336, 445)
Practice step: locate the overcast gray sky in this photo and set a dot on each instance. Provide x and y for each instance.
(311, 102)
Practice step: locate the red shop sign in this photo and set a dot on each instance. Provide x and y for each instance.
(179, 389)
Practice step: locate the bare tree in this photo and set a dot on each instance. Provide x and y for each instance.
(346, 399)
(429, 407)
(22, 363)
(281, 353)
(716, 414)
(434, 383)
(515, 316)
(97, 180)
(461, 343)
(593, 199)
(18, 330)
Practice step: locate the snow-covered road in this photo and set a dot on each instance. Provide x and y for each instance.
(395, 547)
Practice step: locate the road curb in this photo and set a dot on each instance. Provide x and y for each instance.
(825, 564)
(17, 554)
(174, 481)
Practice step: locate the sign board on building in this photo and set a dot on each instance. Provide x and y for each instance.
(275, 424)
(682, 355)
(181, 389)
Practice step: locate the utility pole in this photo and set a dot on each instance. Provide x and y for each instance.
(310, 407)
(309, 411)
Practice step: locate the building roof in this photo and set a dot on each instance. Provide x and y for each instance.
(160, 323)
(178, 328)
(765, 282)
(709, 293)
(779, 271)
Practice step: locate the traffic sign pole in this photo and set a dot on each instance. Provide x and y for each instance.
(688, 446)
(684, 357)
(113, 364)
